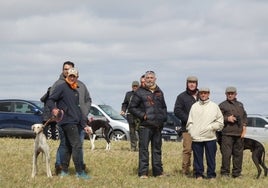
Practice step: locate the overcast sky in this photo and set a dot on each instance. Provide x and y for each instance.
(112, 43)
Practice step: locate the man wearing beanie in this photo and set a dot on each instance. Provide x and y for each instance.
(235, 122)
(182, 107)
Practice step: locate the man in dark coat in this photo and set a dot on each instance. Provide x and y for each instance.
(182, 107)
(148, 104)
(130, 117)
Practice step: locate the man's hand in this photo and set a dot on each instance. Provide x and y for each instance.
(243, 132)
(231, 118)
(88, 129)
(55, 112)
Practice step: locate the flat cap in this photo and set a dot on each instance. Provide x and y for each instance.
(230, 89)
(135, 83)
(204, 89)
(192, 79)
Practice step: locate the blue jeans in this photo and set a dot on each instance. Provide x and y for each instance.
(63, 144)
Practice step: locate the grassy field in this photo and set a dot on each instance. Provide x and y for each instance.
(115, 168)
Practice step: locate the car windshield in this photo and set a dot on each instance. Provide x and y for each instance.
(39, 104)
(111, 112)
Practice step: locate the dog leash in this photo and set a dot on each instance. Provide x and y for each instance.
(55, 118)
(49, 120)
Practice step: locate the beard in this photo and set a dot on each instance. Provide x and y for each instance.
(149, 84)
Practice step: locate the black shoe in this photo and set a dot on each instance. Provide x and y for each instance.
(237, 176)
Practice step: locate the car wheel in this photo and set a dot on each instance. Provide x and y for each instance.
(117, 136)
(52, 133)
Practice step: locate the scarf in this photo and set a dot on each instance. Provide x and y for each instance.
(73, 85)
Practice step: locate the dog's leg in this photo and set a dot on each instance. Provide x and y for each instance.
(34, 165)
(49, 174)
(108, 146)
(262, 162)
(256, 159)
(106, 137)
(92, 140)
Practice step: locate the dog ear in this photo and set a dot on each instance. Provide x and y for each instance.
(32, 128)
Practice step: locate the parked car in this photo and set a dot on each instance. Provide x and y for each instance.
(172, 128)
(257, 127)
(17, 116)
(118, 122)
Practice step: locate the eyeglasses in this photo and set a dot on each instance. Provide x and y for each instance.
(230, 93)
(149, 72)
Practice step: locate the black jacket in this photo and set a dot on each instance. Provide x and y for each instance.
(152, 104)
(183, 106)
(125, 105)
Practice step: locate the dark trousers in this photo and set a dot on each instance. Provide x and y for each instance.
(210, 148)
(133, 136)
(62, 145)
(72, 146)
(147, 135)
(232, 146)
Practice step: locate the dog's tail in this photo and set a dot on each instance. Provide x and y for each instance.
(110, 127)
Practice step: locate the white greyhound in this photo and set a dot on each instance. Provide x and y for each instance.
(40, 146)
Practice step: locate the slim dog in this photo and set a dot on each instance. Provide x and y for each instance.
(40, 146)
(257, 150)
(106, 128)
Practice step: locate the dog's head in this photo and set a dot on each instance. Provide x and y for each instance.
(37, 128)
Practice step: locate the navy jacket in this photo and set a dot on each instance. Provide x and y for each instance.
(67, 99)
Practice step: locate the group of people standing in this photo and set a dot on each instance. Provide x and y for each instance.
(201, 119)
(68, 101)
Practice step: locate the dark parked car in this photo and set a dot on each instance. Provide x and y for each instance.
(17, 116)
(172, 128)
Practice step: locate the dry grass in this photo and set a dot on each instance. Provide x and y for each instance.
(115, 168)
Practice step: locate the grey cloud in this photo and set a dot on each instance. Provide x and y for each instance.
(114, 42)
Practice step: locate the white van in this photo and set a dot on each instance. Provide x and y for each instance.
(118, 122)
